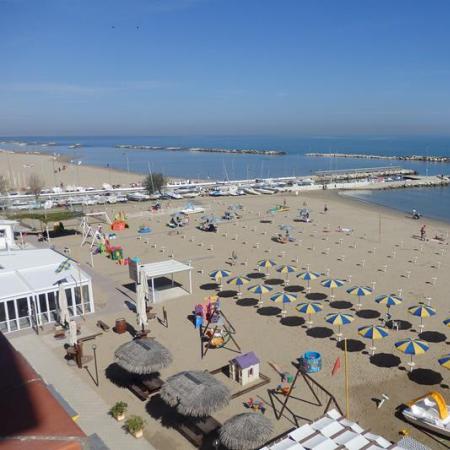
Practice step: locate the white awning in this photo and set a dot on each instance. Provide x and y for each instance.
(158, 269)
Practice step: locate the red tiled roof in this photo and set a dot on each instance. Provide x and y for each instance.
(30, 416)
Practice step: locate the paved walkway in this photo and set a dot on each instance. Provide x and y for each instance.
(93, 411)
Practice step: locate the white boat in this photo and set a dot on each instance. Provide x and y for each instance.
(251, 191)
(155, 196)
(111, 199)
(431, 412)
(174, 195)
(264, 190)
(192, 209)
(191, 194)
(138, 197)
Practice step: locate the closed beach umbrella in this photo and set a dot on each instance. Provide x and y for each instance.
(308, 276)
(373, 332)
(72, 332)
(246, 431)
(195, 393)
(63, 310)
(266, 264)
(141, 311)
(143, 356)
(412, 347)
(283, 297)
(445, 361)
(360, 291)
(422, 311)
(260, 289)
(332, 283)
(286, 269)
(447, 322)
(310, 309)
(339, 319)
(238, 281)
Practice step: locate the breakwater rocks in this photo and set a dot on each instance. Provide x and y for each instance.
(421, 158)
(201, 149)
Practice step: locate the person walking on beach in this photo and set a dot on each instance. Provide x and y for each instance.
(325, 209)
(422, 233)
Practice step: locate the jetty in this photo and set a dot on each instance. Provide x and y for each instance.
(420, 158)
(234, 151)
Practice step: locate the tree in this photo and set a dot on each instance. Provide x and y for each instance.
(154, 182)
(3, 185)
(36, 184)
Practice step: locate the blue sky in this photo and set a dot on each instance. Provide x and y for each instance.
(144, 67)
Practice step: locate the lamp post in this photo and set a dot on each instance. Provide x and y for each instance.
(94, 348)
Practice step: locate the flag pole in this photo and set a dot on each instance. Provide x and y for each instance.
(346, 379)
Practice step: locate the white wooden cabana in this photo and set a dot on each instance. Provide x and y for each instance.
(153, 271)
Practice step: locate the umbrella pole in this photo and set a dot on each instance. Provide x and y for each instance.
(347, 408)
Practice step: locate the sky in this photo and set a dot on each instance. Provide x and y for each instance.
(172, 67)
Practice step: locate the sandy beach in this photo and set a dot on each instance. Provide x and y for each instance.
(382, 250)
(17, 168)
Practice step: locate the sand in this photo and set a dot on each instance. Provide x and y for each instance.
(17, 168)
(383, 248)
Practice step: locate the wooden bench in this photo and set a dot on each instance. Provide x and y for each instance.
(90, 337)
(197, 432)
(145, 388)
(140, 393)
(104, 326)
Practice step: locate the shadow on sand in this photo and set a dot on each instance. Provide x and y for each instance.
(385, 360)
(292, 321)
(320, 332)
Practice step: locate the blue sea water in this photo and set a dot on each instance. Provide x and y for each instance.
(100, 151)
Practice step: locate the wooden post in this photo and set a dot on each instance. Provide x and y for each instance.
(347, 412)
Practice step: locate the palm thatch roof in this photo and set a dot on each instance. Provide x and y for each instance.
(246, 431)
(142, 356)
(195, 393)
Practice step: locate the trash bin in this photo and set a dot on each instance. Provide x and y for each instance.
(313, 362)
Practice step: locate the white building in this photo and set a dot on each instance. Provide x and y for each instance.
(29, 282)
(7, 228)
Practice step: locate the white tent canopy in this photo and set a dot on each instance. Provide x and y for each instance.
(155, 270)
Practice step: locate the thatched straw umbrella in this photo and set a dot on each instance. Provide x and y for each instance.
(142, 356)
(246, 431)
(195, 393)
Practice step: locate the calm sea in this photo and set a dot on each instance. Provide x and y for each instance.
(100, 151)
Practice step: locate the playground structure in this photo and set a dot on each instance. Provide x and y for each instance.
(120, 222)
(89, 234)
(284, 392)
(218, 330)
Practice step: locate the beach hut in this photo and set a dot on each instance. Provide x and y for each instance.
(245, 431)
(245, 368)
(143, 356)
(195, 393)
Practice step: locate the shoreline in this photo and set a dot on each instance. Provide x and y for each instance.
(88, 175)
